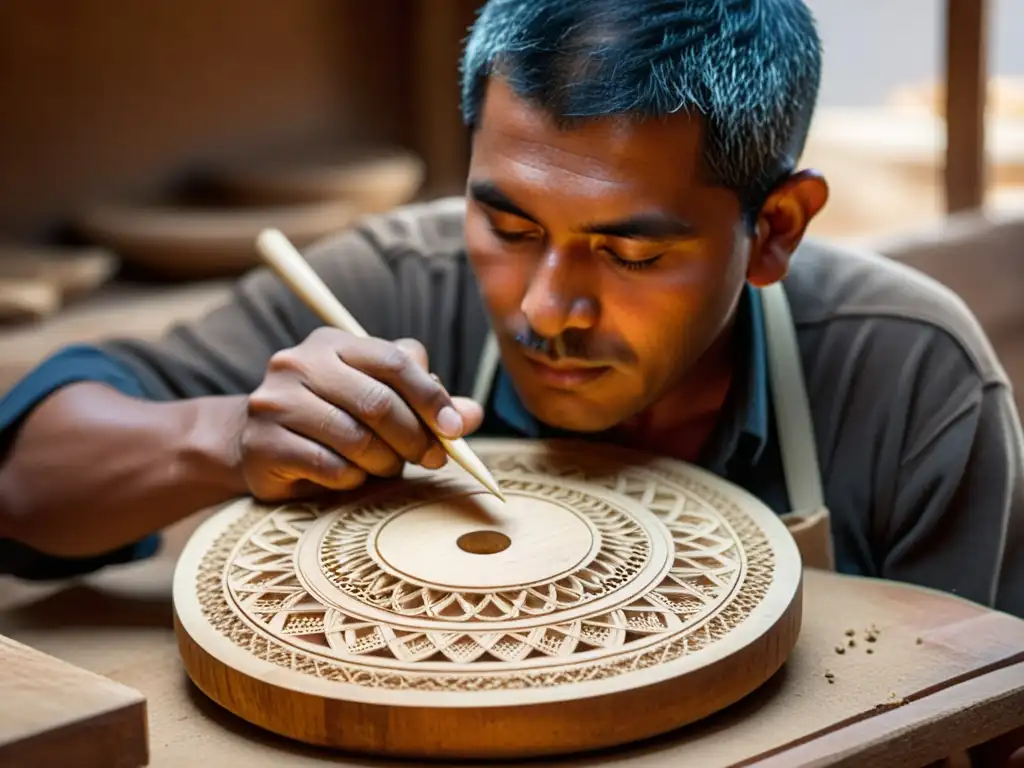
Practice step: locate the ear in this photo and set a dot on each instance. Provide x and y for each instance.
(782, 223)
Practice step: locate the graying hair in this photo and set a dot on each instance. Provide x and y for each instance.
(749, 68)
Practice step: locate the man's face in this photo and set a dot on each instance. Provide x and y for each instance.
(609, 267)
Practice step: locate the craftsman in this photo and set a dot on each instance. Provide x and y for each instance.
(633, 191)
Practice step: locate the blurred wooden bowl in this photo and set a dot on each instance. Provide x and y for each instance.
(182, 243)
(373, 180)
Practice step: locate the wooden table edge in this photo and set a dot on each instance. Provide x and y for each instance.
(986, 707)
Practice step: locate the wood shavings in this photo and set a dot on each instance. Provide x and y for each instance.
(893, 702)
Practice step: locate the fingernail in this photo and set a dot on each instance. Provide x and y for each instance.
(449, 422)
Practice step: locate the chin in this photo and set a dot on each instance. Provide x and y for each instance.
(572, 412)
(587, 400)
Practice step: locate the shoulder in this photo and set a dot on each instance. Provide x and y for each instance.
(885, 311)
(387, 268)
(431, 230)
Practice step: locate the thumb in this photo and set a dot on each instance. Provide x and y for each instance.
(472, 413)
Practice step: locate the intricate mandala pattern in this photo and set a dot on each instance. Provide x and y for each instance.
(349, 565)
(720, 570)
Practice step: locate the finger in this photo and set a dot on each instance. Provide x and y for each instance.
(375, 406)
(392, 364)
(326, 423)
(471, 411)
(278, 459)
(435, 457)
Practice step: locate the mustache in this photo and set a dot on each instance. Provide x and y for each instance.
(573, 345)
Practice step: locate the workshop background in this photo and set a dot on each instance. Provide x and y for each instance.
(142, 146)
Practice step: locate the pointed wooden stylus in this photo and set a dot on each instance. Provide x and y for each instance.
(281, 256)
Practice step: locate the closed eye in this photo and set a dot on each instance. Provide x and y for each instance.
(630, 264)
(513, 236)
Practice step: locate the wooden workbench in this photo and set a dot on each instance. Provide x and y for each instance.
(943, 674)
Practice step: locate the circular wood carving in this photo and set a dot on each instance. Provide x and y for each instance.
(614, 596)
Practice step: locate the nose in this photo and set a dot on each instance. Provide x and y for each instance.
(559, 296)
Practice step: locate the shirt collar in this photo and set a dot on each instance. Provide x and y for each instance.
(742, 433)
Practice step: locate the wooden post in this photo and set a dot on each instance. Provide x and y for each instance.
(966, 85)
(440, 28)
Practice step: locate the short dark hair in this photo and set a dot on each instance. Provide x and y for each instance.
(749, 69)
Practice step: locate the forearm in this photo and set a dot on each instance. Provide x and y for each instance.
(92, 469)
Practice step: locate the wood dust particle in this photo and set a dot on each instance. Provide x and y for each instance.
(871, 650)
(840, 650)
(870, 638)
(919, 641)
(852, 642)
(893, 702)
(850, 633)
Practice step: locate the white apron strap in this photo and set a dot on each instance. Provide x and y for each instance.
(486, 369)
(809, 520)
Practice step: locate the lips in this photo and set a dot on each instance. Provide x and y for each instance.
(565, 376)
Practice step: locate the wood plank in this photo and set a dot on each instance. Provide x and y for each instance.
(919, 732)
(55, 714)
(966, 84)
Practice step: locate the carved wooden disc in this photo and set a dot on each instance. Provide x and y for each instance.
(614, 597)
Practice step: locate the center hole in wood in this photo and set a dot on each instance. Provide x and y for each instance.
(483, 542)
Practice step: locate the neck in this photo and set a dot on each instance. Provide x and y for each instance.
(680, 423)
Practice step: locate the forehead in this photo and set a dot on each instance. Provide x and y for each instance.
(656, 160)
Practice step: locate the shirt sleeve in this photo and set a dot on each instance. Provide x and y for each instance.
(957, 513)
(70, 365)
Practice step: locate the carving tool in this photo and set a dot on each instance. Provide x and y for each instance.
(281, 256)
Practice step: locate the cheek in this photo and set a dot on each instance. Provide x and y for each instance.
(677, 312)
(503, 279)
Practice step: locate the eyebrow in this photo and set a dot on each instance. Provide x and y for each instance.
(644, 226)
(487, 192)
